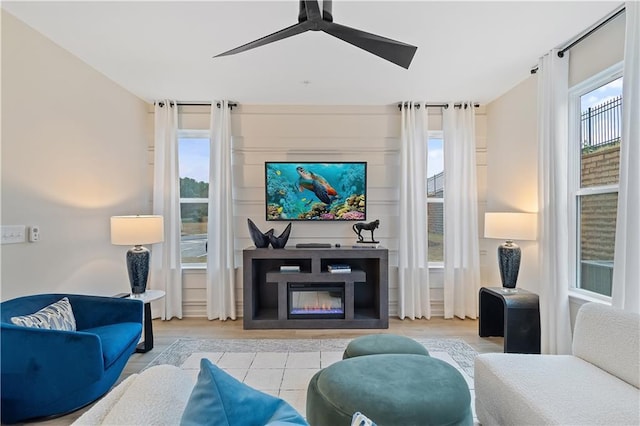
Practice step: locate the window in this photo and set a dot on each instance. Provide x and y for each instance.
(595, 153)
(193, 154)
(435, 199)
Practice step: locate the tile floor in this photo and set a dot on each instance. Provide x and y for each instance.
(285, 374)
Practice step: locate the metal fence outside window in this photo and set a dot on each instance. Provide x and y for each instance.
(600, 125)
(435, 185)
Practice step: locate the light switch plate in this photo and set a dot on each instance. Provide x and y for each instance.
(13, 234)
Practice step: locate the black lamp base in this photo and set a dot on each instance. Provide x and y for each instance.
(138, 267)
(509, 262)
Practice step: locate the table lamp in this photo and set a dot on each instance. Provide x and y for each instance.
(136, 231)
(510, 226)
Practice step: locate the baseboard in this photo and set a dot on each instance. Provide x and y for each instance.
(198, 309)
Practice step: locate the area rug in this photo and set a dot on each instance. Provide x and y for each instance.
(181, 349)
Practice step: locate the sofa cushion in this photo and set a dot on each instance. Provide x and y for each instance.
(220, 400)
(157, 396)
(115, 338)
(57, 316)
(610, 339)
(551, 389)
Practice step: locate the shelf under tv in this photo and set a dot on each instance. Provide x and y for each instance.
(266, 289)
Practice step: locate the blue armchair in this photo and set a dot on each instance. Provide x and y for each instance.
(50, 372)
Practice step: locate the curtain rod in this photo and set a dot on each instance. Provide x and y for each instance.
(585, 35)
(231, 104)
(445, 106)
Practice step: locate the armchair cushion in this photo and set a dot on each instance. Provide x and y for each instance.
(57, 316)
(115, 338)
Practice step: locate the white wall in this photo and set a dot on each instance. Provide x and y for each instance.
(512, 176)
(317, 133)
(512, 146)
(74, 152)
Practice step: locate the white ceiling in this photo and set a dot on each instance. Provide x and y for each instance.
(472, 50)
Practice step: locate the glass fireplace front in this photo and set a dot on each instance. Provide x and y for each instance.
(314, 301)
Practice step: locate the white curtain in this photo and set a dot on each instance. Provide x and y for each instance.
(413, 268)
(626, 269)
(221, 298)
(553, 220)
(461, 245)
(166, 270)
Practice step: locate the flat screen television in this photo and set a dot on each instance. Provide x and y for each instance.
(316, 191)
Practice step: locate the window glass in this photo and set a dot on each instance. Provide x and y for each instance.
(597, 149)
(193, 154)
(597, 241)
(600, 129)
(435, 198)
(435, 169)
(435, 228)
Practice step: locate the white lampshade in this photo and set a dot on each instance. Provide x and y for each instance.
(136, 230)
(510, 226)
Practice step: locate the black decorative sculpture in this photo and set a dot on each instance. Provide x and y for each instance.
(260, 239)
(280, 241)
(371, 226)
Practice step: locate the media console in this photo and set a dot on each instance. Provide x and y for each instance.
(313, 297)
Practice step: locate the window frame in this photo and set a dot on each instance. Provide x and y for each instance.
(192, 134)
(575, 190)
(435, 134)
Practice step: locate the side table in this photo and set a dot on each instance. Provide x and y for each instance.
(147, 297)
(512, 314)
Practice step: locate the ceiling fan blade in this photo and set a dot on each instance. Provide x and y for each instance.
(313, 9)
(393, 51)
(279, 35)
(327, 5)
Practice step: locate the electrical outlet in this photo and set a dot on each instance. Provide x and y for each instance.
(13, 234)
(34, 233)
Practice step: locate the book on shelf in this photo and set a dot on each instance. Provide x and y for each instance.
(289, 268)
(339, 268)
(366, 245)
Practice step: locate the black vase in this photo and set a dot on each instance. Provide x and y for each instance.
(280, 241)
(260, 239)
(509, 261)
(138, 268)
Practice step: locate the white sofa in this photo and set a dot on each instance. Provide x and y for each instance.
(596, 385)
(168, 395)
(156, 396)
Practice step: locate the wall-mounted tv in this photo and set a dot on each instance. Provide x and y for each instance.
(316, 191)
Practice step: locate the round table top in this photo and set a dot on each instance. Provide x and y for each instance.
(148, 296)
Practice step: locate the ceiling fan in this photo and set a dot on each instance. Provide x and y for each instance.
(310, 19)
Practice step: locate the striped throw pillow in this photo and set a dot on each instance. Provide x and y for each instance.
(360, 419)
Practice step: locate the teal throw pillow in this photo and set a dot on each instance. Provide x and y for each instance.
(218, 399)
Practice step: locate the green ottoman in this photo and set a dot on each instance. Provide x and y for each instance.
(374, 344)
(390, 389)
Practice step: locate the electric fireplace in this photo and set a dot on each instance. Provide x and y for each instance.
(311, 301)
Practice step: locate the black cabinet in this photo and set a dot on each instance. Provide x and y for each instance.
(364, 289)
(514, 314)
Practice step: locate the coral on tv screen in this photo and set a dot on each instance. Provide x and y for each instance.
(316, 191)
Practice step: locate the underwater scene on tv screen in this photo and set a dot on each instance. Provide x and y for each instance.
(316, 191)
